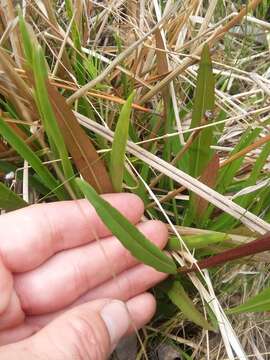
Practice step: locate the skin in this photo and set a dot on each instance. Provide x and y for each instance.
(69, 289)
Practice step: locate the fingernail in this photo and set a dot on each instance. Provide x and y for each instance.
(117, 320)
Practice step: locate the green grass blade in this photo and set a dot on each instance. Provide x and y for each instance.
(26, 41)
(50, 124)
(74, 28)
(27, 154)
(227, 174)
(226, 221)
(197, 241)
(257, 303)
(117, 164)
(180, 298)
(9, 200)
(200, 151)
(128, 234)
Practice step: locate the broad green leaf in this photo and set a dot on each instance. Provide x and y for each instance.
(257, 303)
(9, 200)
(139, 246)
(27, 154)
(117, 163)
(200, 151)
(180, 298)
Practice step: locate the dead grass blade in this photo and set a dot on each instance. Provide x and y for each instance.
(191, 60)
(162, 66)
(209, 178)
(118, 60)
(247, 218)
(83, 152)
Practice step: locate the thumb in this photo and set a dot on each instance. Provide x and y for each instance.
(90, 331)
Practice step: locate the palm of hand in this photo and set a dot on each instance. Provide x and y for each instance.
(59, 255)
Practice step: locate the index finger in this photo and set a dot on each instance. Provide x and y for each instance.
(31, 235)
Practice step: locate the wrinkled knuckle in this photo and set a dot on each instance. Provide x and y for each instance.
(80, 277)
(125, 256)
(87, 341)
(128, 286)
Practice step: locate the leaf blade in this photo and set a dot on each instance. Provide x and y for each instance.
(128, 234)
(117, 163)
(9, 200)
(257, 303)
(179, 297)
(200, 151)
(27, 154)
(83, 152)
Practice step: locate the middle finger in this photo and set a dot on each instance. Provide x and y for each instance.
(71, 273)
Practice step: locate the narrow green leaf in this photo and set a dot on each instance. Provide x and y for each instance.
(180, 298)
(228, 172)
(27, 154)
(117, 164)
(76, 36)
(197, 241)
(226, 221)
(257, 303)
(200, 151)
(26, 41)
(128, 234)
(50, 123)
(9, 200)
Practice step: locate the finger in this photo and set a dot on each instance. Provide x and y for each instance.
(6, 285)
(13, 315)
(17, 333)
(125, 286)
(42, 230)
(78, 270)
(141, 309)
(90, 331)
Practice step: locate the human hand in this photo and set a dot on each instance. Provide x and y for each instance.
(60, 270)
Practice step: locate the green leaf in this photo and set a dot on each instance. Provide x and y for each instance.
(227, 174)
(9, 200)
(197, 241)
(26, 41)
(27, 154)
(229, 171)
(200, 151)
(55, 137)
(128, 234)
(180, 298)
(117, 164)
(226, 221)
(257, 303)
